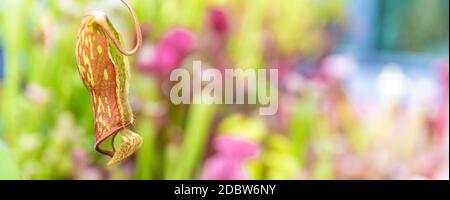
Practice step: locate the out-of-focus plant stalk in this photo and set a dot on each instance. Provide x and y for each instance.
(146, 90)
(148, 13)
(13, 21)
(247, 45)
(146, 156)
(198, 123)
(301, 128)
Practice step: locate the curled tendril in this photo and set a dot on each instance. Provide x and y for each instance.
(103, 21)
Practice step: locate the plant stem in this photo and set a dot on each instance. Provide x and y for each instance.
(199, 121)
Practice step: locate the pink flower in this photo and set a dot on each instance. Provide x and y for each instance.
(180, 40)
(219, 21)
(166, 59)
(228, 163)
(169, 53)
(216, 38)
(440, 123)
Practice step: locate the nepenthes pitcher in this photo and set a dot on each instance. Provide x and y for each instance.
(104, 70)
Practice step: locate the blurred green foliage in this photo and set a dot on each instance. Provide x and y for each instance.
(41, 85)
(46, 118)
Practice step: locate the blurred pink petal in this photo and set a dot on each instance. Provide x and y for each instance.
(166, 59)
(235, 147)
(180, 40)
(219, 21)
(441, 121)
(228, 163)
(169, 53)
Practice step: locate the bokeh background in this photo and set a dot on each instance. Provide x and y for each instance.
(363, 90)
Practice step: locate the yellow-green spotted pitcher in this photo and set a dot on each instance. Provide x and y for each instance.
(104, 70)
